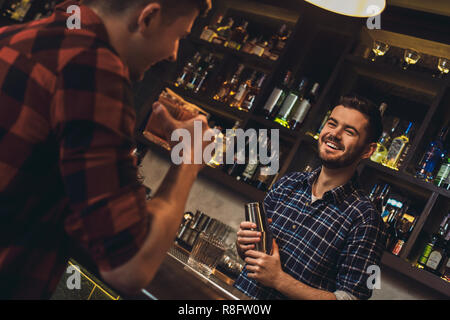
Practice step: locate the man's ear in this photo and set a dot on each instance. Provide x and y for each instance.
(147, 16)
(369, 150)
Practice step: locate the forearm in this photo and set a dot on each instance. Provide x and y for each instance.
(297, 290)
(166, 210)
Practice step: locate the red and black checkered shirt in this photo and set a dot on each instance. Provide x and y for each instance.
(66, 169)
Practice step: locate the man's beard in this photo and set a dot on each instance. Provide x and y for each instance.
(346, 160)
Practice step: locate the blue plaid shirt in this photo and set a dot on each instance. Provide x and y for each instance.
(328, 244)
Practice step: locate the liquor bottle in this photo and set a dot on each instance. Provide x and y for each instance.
(384, 143)
(236, 168)
(238, 37)
(402, 228)
(250, 169)
(432, 157)
(209, 32)
(223, 33)
(446, 271)
(204, 73)
(229, 86)
(278, 40)
(249, 45)
(374, 192)
(259, 47)
(228, 140)
(17, 10)
(397, 148)
(380, 199)
(237, 99)
(188, 69)
(304, 107)
(423, 259)
(290, 102)
(253, 92)
(276, 98)
(443, 176)
(437, 254)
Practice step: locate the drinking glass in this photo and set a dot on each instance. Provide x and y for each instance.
(379, 49)
(443, 66)
(206, 253)
(410, 57)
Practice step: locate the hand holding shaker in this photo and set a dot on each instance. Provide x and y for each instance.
(254, 212)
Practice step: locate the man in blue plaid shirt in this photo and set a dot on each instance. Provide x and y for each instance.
(326, 231)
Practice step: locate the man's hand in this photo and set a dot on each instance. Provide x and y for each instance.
(246, 238)
(167, 124)
(264, 268)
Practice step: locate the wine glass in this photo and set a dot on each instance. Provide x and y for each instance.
(379, 49)
(443, 66)
(410, 57)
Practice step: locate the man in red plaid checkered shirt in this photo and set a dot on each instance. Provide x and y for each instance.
(66, 136)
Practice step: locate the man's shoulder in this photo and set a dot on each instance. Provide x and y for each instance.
(363, 208)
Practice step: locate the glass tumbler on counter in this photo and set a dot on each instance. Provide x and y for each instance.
(206, 253)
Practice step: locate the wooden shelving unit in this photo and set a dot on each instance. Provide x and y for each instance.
(329, 49)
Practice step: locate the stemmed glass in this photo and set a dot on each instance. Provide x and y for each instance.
(410, 57)
(443, 66)
(379, 49)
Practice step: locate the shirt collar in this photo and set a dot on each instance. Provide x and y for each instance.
(336, 195)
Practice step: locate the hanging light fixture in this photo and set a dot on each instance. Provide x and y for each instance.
(353, 8)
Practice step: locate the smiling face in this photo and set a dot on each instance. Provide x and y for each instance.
(343, 139)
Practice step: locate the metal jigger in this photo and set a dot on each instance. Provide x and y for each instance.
(254, 212)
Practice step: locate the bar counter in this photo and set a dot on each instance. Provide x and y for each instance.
(176, 280)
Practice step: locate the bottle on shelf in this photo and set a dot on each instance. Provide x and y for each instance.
(397, 148)
(250, 169)
(423, 259)
(276, 98)
(290, 102)
(402, 228)
(437, 254)
(446, 267)
(249, 45)
(229, 87)
(228, 140)
(210, 64)
(188, 70)
(223, 33)
(384, 143)
(238, 37)
(237, 99)
(443, 176)
(259, 47)
(304, 107)
(253, 92)
(278, 41)
(264, 179)
(381, 198)
(209, 32)
(432, 157)
(236, 168)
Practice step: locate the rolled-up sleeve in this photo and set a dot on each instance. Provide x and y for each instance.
(364, 248)
(93, 121)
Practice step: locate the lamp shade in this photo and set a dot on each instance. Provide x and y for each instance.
(353, 8)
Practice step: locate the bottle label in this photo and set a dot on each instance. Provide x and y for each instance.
(434, 260)
(395, 150)
(250, 170)
(426, 253)
(287, 105)
(271, 102)
(240, 93)
(302, 111)
(398, 247)
(207, 35)
(258, 50)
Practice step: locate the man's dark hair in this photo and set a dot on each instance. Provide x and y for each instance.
(370, 110)
(169, 8)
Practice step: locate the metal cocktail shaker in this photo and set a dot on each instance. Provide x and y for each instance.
(254, 212)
